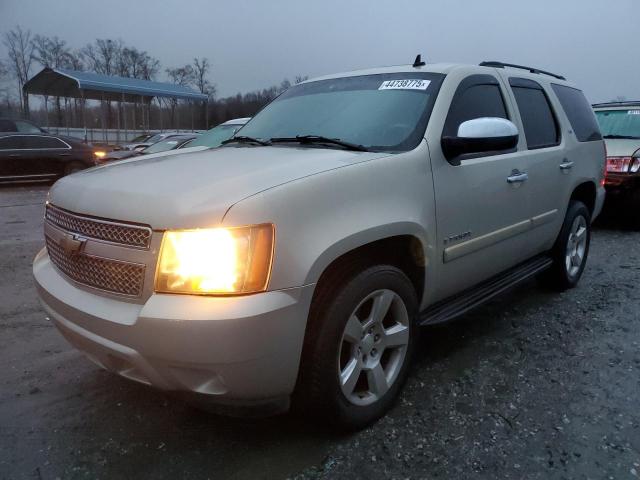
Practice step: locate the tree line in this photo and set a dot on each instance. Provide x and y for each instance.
(28, 53)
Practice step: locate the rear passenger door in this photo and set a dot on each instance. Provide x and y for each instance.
(45, 155)
(11, 156)
(548, 166)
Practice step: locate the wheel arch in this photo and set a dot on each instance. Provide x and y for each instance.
(402, 245)
(585, 192)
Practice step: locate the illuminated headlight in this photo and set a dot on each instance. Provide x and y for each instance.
(216, 261)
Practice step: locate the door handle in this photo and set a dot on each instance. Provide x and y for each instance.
(566, 165)
(517, 177)
(15, 155)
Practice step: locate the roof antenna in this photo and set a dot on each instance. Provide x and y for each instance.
(418, 62)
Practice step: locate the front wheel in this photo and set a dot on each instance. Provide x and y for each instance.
(571, 249)
(358, 346)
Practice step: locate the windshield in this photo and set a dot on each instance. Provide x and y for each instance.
(140, 138)
(619, 123)
(214, 137)
(162, 146)
(155, 138)
(387, 112)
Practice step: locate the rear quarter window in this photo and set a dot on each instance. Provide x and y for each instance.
(579, 112)
(39, 142)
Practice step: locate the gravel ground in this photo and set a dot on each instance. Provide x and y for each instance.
(533, 385)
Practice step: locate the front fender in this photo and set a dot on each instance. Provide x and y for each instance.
(321, 217)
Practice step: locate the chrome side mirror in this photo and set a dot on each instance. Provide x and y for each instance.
(481, 135)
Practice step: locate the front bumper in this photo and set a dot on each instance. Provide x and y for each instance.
(242, 350)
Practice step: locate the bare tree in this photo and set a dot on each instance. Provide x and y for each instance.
(135, 63)
(301, 78)
(180, 76)
(284, 85)
(201, 69)
(53, 52)
(102, 55)
(20, 49)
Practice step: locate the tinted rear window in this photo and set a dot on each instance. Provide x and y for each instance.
(37, 141)
(579, 112)
(540, 128)
(12, 142)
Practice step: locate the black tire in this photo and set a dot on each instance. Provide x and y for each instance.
(73, 167)
(319, 389)
(559, 276)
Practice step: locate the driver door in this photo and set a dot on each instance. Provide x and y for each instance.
(482, 213)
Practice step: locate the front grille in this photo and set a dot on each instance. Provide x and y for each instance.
(109, 275)
(118, 233)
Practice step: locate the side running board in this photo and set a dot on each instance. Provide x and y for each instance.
(461, 303)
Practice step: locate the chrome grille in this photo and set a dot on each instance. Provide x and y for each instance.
(118, 233)
(110, 275)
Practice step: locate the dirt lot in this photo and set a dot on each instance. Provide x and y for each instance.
(533, 385)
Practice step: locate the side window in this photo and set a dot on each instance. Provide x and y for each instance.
(7, 126)
(539, 123)
(37, 141)
(580, 114)
(13, 142)
(26, 127)
(477, 96)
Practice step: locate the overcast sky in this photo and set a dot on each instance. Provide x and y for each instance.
(253, 44)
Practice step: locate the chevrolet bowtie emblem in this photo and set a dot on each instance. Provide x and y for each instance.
(72, 243)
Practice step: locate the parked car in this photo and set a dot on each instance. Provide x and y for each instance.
(41, 157)
(141, 138)
(214, 137)
(302, 256)
(173, 142)
(137, 144)
(22, 126)
(620, 125)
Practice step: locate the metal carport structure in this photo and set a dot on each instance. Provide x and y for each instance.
(59, 82)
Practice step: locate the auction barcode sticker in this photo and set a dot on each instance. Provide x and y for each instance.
(408, 84)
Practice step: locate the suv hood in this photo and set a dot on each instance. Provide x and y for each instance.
(621, 147)
(194, 189)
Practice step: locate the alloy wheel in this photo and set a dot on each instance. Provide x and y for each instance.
(576, 245)
(373, 347)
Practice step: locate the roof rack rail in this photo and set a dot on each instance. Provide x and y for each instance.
(626, 103)
(513, 65)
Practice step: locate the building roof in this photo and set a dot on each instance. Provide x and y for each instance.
(71, 83)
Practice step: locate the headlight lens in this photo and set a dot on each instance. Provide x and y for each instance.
(216, 261)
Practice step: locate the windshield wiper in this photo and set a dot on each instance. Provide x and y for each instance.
(311, 139)
(245, 139)
(624, 137)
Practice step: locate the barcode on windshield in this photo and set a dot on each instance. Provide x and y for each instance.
(408, 84)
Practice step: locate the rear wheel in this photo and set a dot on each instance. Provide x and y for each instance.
(358, 346)
(571, 249)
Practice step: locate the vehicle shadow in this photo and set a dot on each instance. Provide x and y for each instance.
(618, 215)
